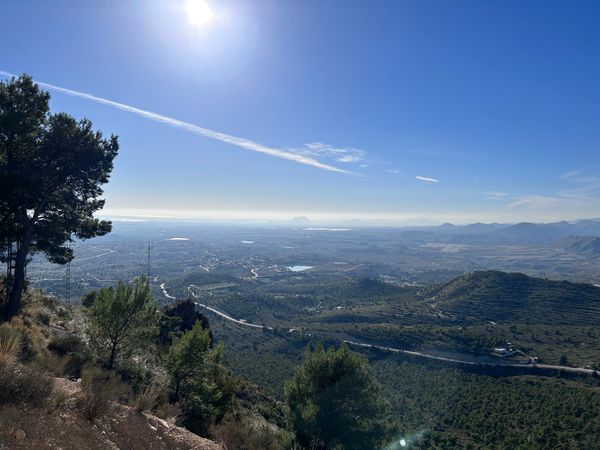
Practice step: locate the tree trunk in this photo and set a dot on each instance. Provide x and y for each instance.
(113, 354)
(14, 297)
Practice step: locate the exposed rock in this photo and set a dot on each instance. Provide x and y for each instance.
(19, 435)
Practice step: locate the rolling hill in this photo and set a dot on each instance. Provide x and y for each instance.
(507, 297)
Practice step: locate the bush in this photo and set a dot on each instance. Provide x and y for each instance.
(73, 351)
(63, 313)
(43, 318)
(68, 343)
(77, 362)
(135, 374)
(19, 383)
(56, 365)
(148, 399)
(49, 302)
(171, 412)
(207, 400)
(98, 389)
(88, 299)
(30, 347)
(237, 434)
(57, 401)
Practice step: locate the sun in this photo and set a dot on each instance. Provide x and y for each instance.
(199, 13)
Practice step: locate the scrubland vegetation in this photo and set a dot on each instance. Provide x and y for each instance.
(124, 349)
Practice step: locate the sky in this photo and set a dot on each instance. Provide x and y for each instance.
(385, 111)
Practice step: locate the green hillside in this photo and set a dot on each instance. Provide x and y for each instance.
(503, 297)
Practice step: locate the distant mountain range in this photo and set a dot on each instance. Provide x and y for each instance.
(300, 220)
(515, 297)
(583, 245)
(519, 232)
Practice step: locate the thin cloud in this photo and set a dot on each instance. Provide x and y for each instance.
(580, 177)
(495, 195)
(201, 131)
(427, 179)
(348, 155)
(537, 201)
(583, 195)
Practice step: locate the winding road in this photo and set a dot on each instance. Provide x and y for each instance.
(550, 367)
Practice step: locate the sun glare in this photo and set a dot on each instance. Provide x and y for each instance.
(199, 13)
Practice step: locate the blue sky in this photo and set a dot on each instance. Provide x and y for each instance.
(455, 111)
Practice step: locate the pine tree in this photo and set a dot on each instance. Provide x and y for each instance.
(52, 168)
(335, 402)
(122, 318)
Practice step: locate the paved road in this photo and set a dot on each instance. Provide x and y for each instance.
(579, 370)
(222, 314)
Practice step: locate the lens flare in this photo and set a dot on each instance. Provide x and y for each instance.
(199, 13)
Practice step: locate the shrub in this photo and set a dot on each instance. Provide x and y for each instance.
(88, 299)
(77, 362)
(205, 401)
(19, 383)
(58, 400)
(241, 435)
(171, 412)
(135, 374)
(43, 318)
(73, 351)
(48, 302)
(30, 347)
(148, 399)
(68, 343)
(57, 365)
(63, 313)
(98, 389)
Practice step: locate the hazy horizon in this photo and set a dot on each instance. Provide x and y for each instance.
(312, 220)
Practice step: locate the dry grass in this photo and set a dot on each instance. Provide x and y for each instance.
(10, 341)
(57, 365)
(240, 434)
(99, 388)
(169, 412)
(148, 399)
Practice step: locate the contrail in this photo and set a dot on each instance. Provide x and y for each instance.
(427, 179)
(226, 138)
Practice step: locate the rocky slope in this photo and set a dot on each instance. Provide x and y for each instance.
(60, 425)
